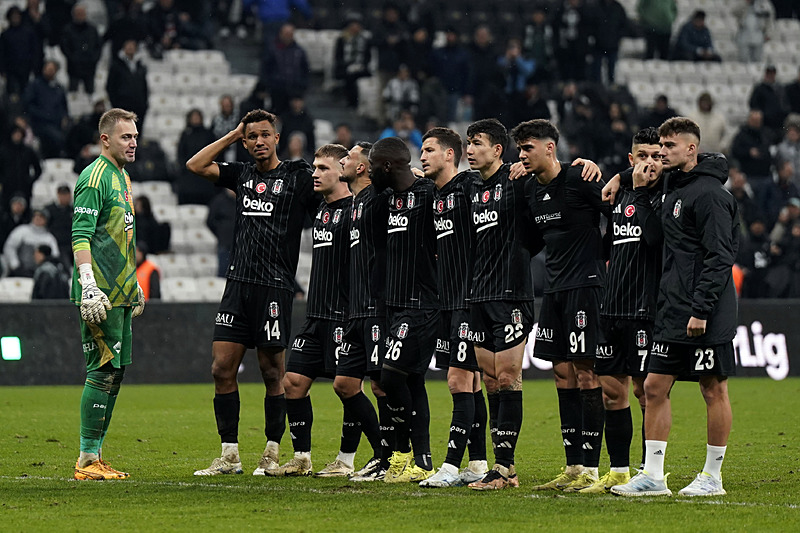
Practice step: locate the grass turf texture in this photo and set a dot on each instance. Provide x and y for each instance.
(162, 433)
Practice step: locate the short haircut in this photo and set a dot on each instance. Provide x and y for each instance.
(392, 149)
(646, 136)
(259, 115)
(492, 128)
(109, 119)
(45, 250)
(535, 129)
(679, 125)
(336, 151)
(446, 138)
(365, 146)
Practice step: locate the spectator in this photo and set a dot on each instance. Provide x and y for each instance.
(83, 137)
(401, 93)
(352, 57)
(274, 14)
(515, 70)
(789, 148)
(81, 45)
(221, 219)
(41, 23)
(128, 24)
(405, 128)
(537, 44)
(46, 105)
(451, 65)
(749, 210)
(694, 41)
(769, 97)
(782, 191)
(151, 163)
(390, 38)
(16, 215)
(127, 82)
(793, 95)
(343, 134)
(659, 114)
(610, 24)
(223, 122)
(617, 141)
(784, 276)
(420, 48)
(297, 147)
(656, 18)
(147, 273)
(169, 28)
(534, 106)
(789, 214)
(713, 126)
(753, 258)
(148, 229)
(50, 279)
(285, 70)
(59, 222)
(259, 99)
(297, 118)
(756, 18)
(20, 52)
(191, 189)
(57, 15)
(19, 167)
(571, 28)
(486, 80)
(23, 240)
(750, 148)
(786, 9)
(433, 99)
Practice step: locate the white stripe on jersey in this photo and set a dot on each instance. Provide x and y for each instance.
(623, 241)
(252, 214)
(320, 245)
(395, 230)
(487, 226)
(445, 234)
(354, 243)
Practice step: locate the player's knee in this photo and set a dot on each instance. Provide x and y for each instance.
(460, 383)
(506, 380)
(714, 391)
(101, 379)
(656, 389)
(376, 389)
(222, 372)
(346, 388)
(272, 376)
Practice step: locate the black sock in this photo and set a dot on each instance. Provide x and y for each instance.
(399, 403)
(420, 421)
(275, 417)
(387, 430)
(460, 426)
(619, 432)
(493, 399)
(226, 411)
(477, 435)
(592, 426)
(569, 409)
(364, 413)
(643, 438)
(301, 416)
(351, 430)
(509, 423)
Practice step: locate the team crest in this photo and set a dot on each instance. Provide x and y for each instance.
(451, 201)
(360, 208)
(463, 330)
(273, 310)
(338, 333)
(337, 216)
(676, 211)
(326, 216)
(402, 331)
(580, 319)
(376, 333)
(398, 203)
(516, 316)
(439, 206)
(410, 200)
(641, 338)
(485, 197)
(261, 187)
(498, 192)
(277, 187)
(630, 210)
(354, 215)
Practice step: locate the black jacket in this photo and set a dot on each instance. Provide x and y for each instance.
(701, 239)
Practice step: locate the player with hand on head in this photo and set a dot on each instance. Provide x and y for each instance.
(273, 198)
(104, 283)
(696, 319)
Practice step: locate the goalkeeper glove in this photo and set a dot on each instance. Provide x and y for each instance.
(94, 302)
(138, 308)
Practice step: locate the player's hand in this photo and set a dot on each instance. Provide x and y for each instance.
(591, 172)
(516, 171)
(138, 309)
(94, 303)
(641, 174)
(417, 172)
(695, 327)
(610, 189)
(238, 133)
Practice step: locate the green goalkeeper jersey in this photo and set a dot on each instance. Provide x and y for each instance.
(103, 222)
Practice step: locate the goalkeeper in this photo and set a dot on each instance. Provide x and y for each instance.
(104, 283)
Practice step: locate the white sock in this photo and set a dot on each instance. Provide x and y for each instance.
(621, 469)
(306, 455)
(347, 458)
(592, 471)
(573, 470)
(230, 451)
(714, 457)
(654, 458)
(86, 459)
(479, 467)
(450, 469)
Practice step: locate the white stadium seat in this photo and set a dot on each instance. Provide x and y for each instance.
(16, 289)
(180, 290)
(210, 288)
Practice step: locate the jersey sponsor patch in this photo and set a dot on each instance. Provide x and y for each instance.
(580, 319)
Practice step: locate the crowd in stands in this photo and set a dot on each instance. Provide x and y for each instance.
(553, 59)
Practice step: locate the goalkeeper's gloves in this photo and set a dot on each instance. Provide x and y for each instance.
(94, 302)
(138, 309)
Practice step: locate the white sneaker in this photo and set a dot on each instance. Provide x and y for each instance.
(337, 468)
(268, 464)
(474, 472)
(703, 485)
(297, 466)
(441, 479)
(221, 465)
(643, 485)
(372, 471)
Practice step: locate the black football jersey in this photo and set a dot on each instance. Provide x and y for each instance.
(328, 288)
(368, 253)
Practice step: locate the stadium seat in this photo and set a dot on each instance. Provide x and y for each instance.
(203, 265)
(17, 290)
(192, 215)
(193, 240)
(180, 290)
(43, 193)
(159, 192)
(241, 85)
(323, 131)
(210, 288)
(175, 266)
(165, 213)
(59, 170)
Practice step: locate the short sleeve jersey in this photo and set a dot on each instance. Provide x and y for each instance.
(501, 269)
(567, 212)
(454, 239)
(411, 248)
(270, 211)
(328, 286)
(103, 222)
(368, 253)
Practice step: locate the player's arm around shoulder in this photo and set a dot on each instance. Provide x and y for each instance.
(202, 163)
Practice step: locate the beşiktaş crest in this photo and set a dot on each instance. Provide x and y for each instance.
(273, 309)
(376, 333)
(402, 331)
(641, 338)
(338, 333)
(463, 330)
(580, 319)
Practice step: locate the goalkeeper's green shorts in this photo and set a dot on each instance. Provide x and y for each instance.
(108, 341)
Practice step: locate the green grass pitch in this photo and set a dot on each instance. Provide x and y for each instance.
(161, 434)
